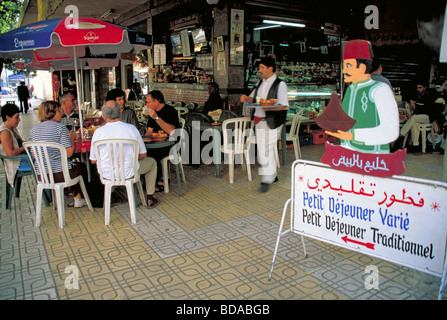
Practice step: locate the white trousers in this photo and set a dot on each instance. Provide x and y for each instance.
(266, 139)
(412, 125)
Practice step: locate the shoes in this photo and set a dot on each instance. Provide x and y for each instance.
(152, 202)
(159, 188)
(398, 144)
(265, 186)
(79, 203)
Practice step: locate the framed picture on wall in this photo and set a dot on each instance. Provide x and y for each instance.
(220, 44)
(303, 47)
(266, 50)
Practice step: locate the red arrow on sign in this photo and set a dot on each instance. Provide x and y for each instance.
(367, 244)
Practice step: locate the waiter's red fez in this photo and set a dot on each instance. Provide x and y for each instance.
(358, 49)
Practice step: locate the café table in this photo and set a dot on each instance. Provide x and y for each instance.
(152, 144)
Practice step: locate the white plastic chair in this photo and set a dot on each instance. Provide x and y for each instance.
(165, 163)
(236, 142)
(115, 157)
(423, 128)
(14, 189)
(42, 164)
(293, 134)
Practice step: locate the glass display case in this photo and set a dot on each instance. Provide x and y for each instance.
(310, 84)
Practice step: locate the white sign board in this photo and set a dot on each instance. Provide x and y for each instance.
(398, 219)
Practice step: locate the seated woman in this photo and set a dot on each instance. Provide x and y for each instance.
(52, 130)
(11, 142)
(128, 115)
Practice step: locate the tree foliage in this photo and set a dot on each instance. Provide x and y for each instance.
(9, 16)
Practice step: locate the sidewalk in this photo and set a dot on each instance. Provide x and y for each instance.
(214, 243)
(34, 102)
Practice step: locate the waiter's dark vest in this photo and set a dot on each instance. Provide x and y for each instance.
(274, 118)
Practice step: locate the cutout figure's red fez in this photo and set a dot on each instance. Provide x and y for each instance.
(358, 49)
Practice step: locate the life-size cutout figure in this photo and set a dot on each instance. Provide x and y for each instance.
(373, 107)
(369, 102)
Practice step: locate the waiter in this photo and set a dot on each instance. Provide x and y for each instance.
(268, 121)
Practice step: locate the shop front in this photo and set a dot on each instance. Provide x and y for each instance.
(182, 55)
(307, 54)
(196, 43)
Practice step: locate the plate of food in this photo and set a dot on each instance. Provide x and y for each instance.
(264, 103)
(159, 136)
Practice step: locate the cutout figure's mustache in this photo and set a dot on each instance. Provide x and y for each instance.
(347, 74)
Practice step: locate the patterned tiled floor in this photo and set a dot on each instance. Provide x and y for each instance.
(214, 243)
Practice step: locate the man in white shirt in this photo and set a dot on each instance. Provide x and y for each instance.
(268, 121)
(116, 129)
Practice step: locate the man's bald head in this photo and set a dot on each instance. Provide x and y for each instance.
(111, 110)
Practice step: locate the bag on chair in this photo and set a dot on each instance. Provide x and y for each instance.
(434, 138)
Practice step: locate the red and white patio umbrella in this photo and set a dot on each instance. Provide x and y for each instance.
(56, 40)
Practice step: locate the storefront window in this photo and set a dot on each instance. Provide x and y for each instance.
(140, 71)
(182, 52)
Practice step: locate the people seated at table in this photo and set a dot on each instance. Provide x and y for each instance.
(162, 117)
(11, 142)
(117, 129)
(69, 117)
(50, 129)
(128, 115)
(214, 101)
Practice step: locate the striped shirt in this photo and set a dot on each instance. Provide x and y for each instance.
(52, 131)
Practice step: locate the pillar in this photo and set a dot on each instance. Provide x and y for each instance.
(228, 75)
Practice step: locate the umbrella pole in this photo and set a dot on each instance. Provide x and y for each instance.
(82, 84)
(80, 102)
(61, 83)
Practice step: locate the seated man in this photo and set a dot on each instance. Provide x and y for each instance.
(161, 117)
(70, 117)
(214, 101)
(116, 129)
(423, 112)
